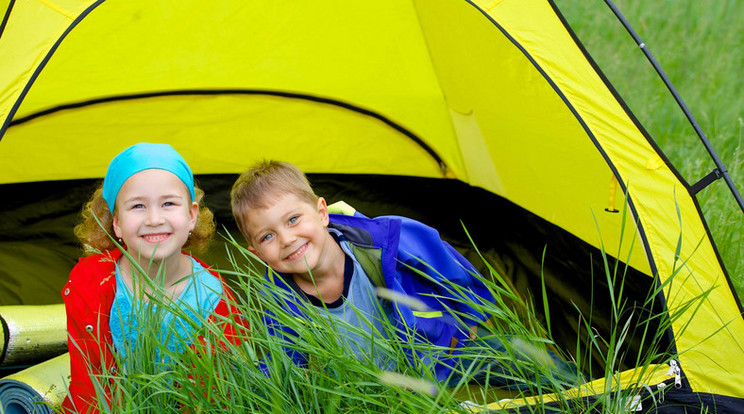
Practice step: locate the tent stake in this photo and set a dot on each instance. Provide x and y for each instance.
(720, 170)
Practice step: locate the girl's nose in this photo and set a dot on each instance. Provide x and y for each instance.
(154, 217)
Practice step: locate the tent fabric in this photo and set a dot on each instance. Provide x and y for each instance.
(494, 94)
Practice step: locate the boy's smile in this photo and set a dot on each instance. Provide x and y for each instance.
(297, 254)
(290, 235)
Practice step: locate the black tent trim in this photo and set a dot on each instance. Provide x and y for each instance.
(584, 126)
(650, 141)
(616, 94)
(6, 17)
(692, 189)
(43, 64)
(207, 92)
(723, 171)
(623, 185)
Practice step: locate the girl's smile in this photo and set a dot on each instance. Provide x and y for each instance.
(156, 238)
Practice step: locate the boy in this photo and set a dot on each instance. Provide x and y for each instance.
(332, 260)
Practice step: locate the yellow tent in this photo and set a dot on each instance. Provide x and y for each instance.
(486, 110)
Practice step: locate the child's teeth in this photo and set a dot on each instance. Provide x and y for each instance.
(154, 238)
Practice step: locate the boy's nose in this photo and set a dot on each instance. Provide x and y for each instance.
(286, 238)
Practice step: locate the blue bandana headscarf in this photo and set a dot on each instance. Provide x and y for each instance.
(140, 157)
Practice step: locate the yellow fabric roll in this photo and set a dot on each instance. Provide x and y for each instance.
(32, 333)
(38, 389)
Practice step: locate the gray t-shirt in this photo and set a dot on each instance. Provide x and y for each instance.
(359, 313)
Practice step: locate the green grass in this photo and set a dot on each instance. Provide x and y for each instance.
(255, 375)
(700, 46)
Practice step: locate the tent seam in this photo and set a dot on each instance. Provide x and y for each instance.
(42, 65)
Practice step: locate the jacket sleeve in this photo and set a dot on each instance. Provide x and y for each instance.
(439, 274)
(286, 335)
(84, 347)
(278, 297)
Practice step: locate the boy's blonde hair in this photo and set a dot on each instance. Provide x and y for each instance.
(262, 182)
(95, 237)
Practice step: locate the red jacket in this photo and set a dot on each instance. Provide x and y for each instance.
(88, 297)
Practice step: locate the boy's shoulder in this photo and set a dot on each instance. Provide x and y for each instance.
(391, 239)
(380, 231)
(365, 231)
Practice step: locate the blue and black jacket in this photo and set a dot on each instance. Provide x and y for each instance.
(411, 259)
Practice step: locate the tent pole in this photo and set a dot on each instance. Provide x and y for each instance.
(720, 170)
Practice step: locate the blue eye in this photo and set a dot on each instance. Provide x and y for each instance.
(168, 204)
(266, 237)
(136, 206)
(293, 220)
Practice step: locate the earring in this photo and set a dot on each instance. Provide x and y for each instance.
(120, 240)
(189, 234)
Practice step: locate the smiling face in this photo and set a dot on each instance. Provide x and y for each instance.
(154, 215)
(288, 231)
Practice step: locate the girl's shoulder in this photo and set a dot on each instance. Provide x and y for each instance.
(92, 279)
(204, 265)
(104, 259)
(96, 266)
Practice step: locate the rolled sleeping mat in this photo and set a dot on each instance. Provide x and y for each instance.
(30, 334)
(40, 389)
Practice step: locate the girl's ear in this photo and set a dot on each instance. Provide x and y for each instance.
(117, 227)
(193, 215)
(322, 207)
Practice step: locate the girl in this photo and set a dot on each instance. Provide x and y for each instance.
(148, 201)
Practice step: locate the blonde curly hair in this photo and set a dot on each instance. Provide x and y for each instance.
(96, 227)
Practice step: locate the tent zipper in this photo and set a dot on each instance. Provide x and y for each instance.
(676, 371)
